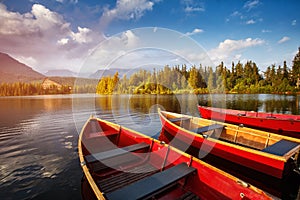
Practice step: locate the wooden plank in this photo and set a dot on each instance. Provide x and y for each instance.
(115, 162)
(115, 152)
(151, 185)
(207, 128)
(179, 119)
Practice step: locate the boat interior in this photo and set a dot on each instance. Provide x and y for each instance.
(122, 163)
(239, 135)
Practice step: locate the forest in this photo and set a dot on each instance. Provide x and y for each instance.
(180, 79)
(239, 78)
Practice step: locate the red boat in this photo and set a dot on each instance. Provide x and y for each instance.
(268, 153)
(119, 163)
(283, 124)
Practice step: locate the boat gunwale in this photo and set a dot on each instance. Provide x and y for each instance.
(84, 167)
(236, 146)
(223, 111)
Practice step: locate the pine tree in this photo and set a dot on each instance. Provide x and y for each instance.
(296, 69)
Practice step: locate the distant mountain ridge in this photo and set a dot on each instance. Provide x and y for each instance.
(121, 71)
(60, 72)
(12, 71)
(109, 72)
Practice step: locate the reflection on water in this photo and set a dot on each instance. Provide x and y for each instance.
(38, 149)
(286, 104)
(38, 135)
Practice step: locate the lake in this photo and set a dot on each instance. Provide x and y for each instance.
(38, 134)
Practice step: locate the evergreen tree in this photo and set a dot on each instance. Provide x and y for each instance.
(296, 69)
(193, 78)
(210, 82)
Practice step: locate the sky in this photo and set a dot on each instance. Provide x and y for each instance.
(84, 36)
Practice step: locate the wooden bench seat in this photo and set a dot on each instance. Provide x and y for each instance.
(281, 147)
(151, 185)
(179, 119)
(207, 128)
(125, 177)
(115, 152)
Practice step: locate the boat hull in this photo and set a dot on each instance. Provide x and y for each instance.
(288, 125)
(262, 162)
(161, 157)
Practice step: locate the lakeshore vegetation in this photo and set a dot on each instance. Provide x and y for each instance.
(238, 78)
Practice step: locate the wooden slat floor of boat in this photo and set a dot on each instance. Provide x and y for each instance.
(153, 185)
(92, 145)
(189, 196)
(122, 179)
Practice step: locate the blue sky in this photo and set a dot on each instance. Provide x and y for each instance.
(72, 34)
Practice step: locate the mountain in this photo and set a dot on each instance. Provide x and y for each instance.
(110, 72)
(61, 73)
(12, 71)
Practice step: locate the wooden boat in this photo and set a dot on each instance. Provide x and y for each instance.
(119, 163)
(268, 153)
(284, 124)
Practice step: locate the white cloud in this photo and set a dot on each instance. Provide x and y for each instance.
(191, 6)
(294, 22)
(71, 1)
(193, 9)
(29, 60)
(251, 4)
(195, 31)
(63, 41)
(228, 49)
(143, 47)
(126, 10)
(283, 39)
(82, 36)
(266, 31)
(38, 21)
(44, 35)
(112, 49)
(251, 21)
(235, 13)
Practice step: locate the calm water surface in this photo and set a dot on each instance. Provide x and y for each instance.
(38, 135)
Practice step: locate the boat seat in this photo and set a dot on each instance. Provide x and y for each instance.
(114, 162)
(281, 147)
(115, 152)
(179, 119)
(152, 185)
(204, 129)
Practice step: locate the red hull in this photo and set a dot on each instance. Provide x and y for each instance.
(277, 123)
(201, 183)
(263, 162)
